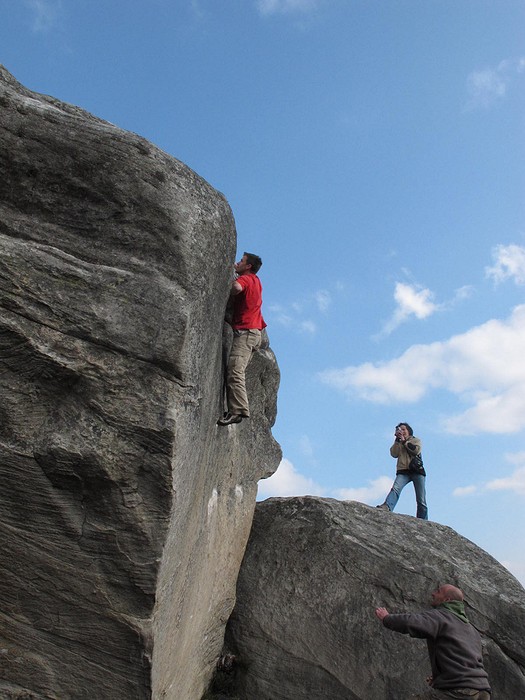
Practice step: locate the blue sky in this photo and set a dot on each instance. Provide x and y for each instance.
(373, 154)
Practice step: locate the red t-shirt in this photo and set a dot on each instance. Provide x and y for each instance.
(247, 304)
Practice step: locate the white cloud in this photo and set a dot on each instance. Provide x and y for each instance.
(515, 482)
(286, 481)
(492, 414)
(487, 86)
(45, 13)
(483, 367)
(411, 300)
(464, 491)
(272, 7)
(376, 489)
(509, 264)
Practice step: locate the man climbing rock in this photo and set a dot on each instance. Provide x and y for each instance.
(454, 645)
(247, 323)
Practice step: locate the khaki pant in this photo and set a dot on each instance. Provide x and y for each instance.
(245, 343)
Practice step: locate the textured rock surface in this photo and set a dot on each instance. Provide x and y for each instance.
(313, 573)
(124, 510)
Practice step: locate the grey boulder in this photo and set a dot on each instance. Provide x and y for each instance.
(124, 509)
(314, 571)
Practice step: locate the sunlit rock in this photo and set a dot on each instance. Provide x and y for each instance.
(124, 509)
(315, 570)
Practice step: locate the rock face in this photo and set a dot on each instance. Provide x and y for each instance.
(313, 573)
(124, 509)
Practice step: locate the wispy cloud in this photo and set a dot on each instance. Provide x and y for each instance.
(323, 300)
(298, 314)
(509, 263)
(308, 327)
(483, 367)
(462, 293)
(306, 447)
(464, 490)
(412, 301)
(280, 315)
(291, 318)
(273, 7)
(490, 85)
(514, 482)
(45, 14)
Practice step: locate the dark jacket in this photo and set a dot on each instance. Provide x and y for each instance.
(454, 647)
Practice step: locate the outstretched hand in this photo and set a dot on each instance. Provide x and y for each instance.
(381, 613)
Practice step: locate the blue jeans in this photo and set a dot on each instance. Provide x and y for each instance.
(402, 479)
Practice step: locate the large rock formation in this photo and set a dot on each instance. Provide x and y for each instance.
(313, 573)
(124, 509)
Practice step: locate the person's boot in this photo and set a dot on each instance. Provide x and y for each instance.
(230, 419)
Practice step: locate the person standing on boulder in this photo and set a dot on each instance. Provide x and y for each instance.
(407, 450)
(454, 645)
(247, 323)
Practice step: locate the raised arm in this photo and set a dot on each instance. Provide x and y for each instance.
(381, 613)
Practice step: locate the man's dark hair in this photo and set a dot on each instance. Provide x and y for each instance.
(410, 431)
(253, 260)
